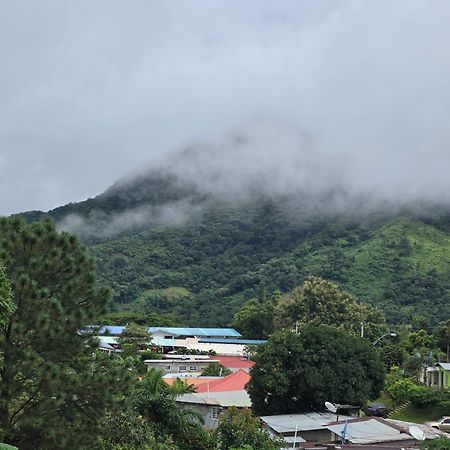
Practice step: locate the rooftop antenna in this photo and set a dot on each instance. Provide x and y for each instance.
(417, 433)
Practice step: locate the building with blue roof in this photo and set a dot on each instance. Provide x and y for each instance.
(222, 341)
(223, 333)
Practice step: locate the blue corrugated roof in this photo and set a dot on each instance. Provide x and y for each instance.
(176, 331)
(232, 341)
(222, 332)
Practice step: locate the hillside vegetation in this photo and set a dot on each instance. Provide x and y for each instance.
(205, 264)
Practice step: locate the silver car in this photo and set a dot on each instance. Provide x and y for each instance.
(441, 424)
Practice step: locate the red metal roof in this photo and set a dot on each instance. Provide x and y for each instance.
(235, 362)
(236, 381)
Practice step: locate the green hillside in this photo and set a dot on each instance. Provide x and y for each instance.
(402, 265)
(204, 267)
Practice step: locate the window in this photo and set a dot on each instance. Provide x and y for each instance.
(182, 368)
(167, 368)
(192, 367)
(215, 412)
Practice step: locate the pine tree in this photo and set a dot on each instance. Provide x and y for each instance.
(6, 304)
(54, 384)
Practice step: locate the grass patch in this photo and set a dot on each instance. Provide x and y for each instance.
(419, 415)
(385, 399)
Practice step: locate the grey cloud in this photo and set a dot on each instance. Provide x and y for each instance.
(350, 92)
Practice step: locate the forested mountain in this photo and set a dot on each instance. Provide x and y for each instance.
(163, 245)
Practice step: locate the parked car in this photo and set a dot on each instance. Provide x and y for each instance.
(377, 409)
(442, 424)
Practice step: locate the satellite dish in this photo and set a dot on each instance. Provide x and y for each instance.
(331, 407)
(417, 433)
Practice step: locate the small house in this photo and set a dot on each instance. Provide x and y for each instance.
(437, 376)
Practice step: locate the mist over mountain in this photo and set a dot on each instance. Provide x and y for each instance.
(199, 233)
(266, 162)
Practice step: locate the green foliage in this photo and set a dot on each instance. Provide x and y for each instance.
(6, 303)
(321, 302)
(426, 397)
(206, 269)
(133, 339)
(441, 443)
(419, 340)
(54, 385)
(299, 372)
(126, 430)
(215, 370)
(442, 335)
(240, 430)
(392, 354)
(140, 318)
(7, 447)
(154, 400)
(401, 390)
(255, 319)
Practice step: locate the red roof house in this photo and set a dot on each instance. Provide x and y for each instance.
(235, 363)
(236, 381)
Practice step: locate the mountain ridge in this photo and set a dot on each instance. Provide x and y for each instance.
(206, 258)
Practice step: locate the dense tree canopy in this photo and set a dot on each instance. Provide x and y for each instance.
(255, 319)
(299, 372)
(53, 384)
(322, 302)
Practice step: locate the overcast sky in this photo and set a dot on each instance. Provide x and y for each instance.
(93, 90)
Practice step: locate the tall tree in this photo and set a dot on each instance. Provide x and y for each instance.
(299, 372)
(321, 302)
(54, 385)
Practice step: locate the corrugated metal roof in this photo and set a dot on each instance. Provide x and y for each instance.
(158, 340)
(292, 439)
(207, 332)
(229, 398)
(368, 431)
(234, 362)
(445, 366)
(236, 381)
(285, 423)
(231, 341)
(176, 331)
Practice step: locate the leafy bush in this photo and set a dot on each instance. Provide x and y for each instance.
(239, 430)
(424, 397)
(400, 391)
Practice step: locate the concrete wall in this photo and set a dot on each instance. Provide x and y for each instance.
(206, 411)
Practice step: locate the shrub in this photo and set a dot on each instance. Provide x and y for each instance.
(425, 397)
(400, 391)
